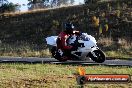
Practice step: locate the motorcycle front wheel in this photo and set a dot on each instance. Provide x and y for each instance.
(97, 56)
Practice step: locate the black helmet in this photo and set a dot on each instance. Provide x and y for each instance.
(69, 27)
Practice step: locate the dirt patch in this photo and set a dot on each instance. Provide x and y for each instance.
(46, 81)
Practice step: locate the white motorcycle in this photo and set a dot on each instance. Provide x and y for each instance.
(87, 48)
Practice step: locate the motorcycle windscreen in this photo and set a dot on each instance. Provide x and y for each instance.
(51, 40)
(87, 37)
(88, 40)
(89, 43)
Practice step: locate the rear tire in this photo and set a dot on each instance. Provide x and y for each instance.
(56, 54)
(100, 56)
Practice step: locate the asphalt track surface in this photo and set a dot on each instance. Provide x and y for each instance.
(115, 62)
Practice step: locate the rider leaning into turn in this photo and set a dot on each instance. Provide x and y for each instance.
(63, 38)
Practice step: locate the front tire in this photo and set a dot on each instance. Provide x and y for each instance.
(100, 56)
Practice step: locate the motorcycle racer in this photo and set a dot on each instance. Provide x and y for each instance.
(71, 46)
(62, 40)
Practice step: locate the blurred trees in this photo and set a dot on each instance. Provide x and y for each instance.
(91, 1)
(3, 1)
(106, 20)
(64, 2)
(57, 3)
(72, 1)
(95, 21)
(38, 4)
(5, 6)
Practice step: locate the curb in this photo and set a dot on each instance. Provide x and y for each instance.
(107, 58)
(62, 63)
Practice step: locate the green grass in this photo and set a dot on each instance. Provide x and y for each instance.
(118, 54)
(24, 50)
(51, 75)
(123, 49)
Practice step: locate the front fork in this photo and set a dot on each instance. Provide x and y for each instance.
(94, 48)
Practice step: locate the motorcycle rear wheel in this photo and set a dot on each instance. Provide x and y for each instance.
(57, 55)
